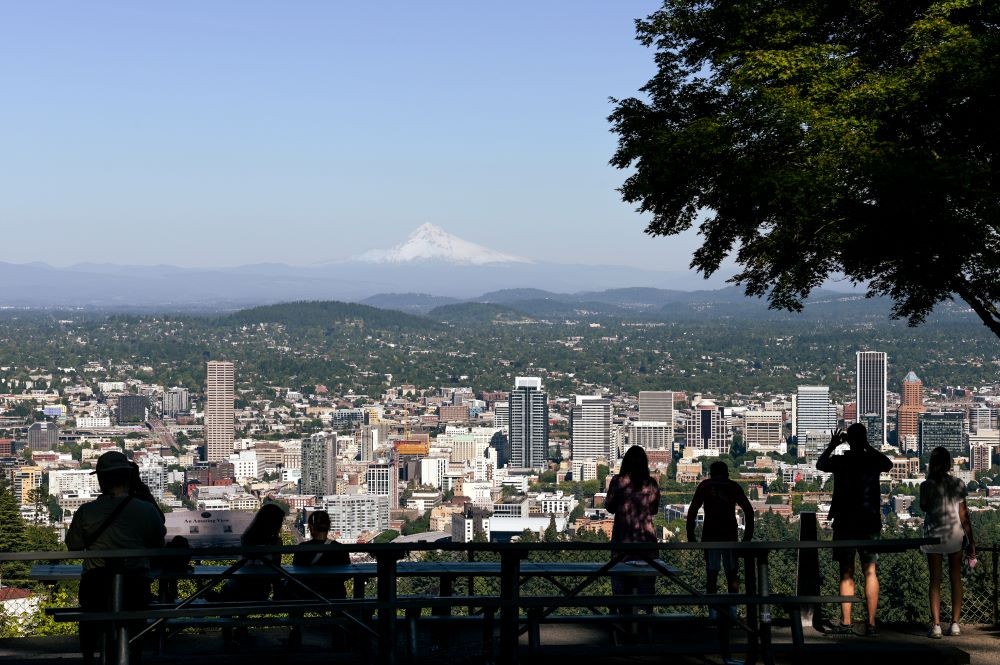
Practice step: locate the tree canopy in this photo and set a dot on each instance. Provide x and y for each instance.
(815, 139)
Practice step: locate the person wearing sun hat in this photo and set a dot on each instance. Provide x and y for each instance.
(114, 520)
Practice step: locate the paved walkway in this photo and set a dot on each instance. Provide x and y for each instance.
(896, 645)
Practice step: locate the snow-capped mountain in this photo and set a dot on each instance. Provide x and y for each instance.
(432, 243)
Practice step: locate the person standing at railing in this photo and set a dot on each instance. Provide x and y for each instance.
(318, 524)
(856, 511)
(114, 521)
(720, 496)
(946, 516)
(634, 499)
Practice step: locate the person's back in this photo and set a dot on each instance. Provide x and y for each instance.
(114, 521)
(719, 498)
(138, 525)
(856, 511)
(857, 493)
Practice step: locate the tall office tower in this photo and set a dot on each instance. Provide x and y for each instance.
(370, 440)
(319, 465)
(131, 409)
(762, 432)
(651, 435)
(220, 417)
(657, 406)
(529, 423)
(501, 414)
(945, 428)
(707, 429)
(590, 428)
(43, 436)
(175, 400)
(872, 386)
(812, 411)
(910, 408)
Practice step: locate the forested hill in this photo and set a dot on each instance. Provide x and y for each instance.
(476, 313)
(305, 314)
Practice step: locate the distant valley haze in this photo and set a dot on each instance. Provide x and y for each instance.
(429, 260)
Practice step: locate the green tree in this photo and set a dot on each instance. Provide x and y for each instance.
(12, 537)
(551, 534)
(814, 139)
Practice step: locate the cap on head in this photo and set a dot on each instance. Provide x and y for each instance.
(112, 461)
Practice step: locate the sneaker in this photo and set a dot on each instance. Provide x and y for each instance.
(871, 630)
(954, 630)
(935, 632)
(841, 629)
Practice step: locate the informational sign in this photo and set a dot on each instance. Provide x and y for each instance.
(202, 528)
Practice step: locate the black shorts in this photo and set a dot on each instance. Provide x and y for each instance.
(845, 555)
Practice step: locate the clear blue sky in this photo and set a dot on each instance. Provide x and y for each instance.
(223, 133)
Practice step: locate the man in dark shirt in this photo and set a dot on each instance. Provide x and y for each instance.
(720, 496)
(115, 520)
(857, 514)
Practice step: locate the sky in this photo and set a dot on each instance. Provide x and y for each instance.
(226, 133)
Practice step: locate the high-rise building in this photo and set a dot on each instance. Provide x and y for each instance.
(355, 515)
(981, 457)
(980, 418)
(762, 432)
(812, 411)
(910, 408)
(319, 465)
(383, 480)
(707, 429)
(651, 435)
(43, 436)
(131, 408)
(873, 427)
(501, 414)
(656, 406)
(175, 400)
(590, 428)
(529, 423)
(944, 428)
(872, 386)
(220, 418)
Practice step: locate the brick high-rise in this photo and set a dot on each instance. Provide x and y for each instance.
(908, 415)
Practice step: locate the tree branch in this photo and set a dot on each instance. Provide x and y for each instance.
(984, 308)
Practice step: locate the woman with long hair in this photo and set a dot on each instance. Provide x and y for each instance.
(634, 499)
(946, 516)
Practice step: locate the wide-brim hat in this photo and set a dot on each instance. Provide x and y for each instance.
(112, 461)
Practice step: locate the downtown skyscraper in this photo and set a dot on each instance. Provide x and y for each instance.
(590, 428)
(220, 418)
(908, 414)
(529, 423)
(872, 372)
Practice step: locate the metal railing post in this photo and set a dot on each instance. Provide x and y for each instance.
(807, 578)
(994, 550)
(510, 580)
(121, 645)
(385, 562)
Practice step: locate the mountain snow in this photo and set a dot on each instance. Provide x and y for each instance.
(432, 243)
